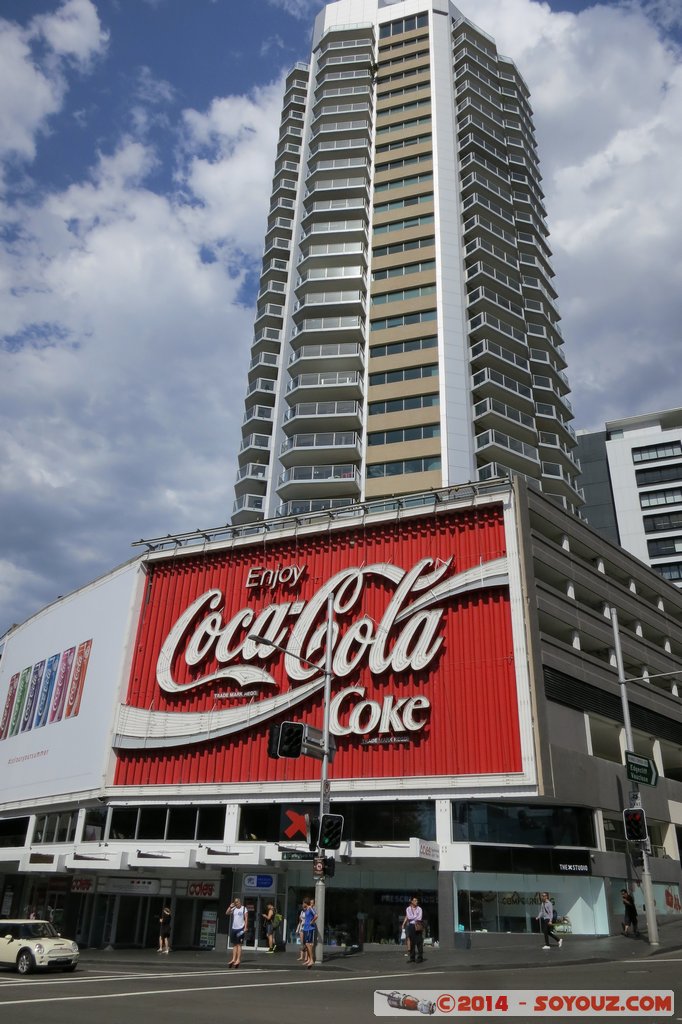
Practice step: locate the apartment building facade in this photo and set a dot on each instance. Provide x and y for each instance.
(632, 482)
(406, 334)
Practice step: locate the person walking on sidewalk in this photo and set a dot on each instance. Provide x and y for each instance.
(165, 922)
(414, 930)
(546, 919)
(238, 925)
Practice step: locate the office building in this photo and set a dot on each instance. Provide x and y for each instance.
(406, 334)
(632, 482)
(475, 708)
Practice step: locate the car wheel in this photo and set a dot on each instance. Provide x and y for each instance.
(25, 962)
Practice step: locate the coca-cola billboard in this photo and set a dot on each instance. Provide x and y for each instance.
(424, 680)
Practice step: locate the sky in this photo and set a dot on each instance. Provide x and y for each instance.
(137, 142)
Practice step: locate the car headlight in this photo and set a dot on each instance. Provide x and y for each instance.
(74, 947)
(39, 948)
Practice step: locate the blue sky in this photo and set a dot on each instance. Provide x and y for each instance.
(136, 151)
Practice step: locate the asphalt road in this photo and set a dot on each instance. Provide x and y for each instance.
(340, 992)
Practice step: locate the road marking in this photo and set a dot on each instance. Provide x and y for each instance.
(213, 988)
(82, 978)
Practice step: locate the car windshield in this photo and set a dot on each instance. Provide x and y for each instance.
(38, 930)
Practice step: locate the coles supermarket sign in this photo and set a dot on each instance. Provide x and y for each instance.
(423, 669)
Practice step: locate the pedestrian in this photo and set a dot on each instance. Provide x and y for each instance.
(630, 920)
(299, 930)
(546, 919)
(238, 924)
(164, 930)
(309, 922)
(414, 930)
(269, 926)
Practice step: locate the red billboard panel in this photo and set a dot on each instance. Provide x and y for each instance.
(422, 657)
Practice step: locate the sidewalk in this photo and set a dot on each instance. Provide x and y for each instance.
(486, 952)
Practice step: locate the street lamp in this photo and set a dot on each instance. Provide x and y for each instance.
(320, 882)
(651, 922)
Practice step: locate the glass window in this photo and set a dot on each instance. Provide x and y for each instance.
(123, 823)
(211, 823)
(522, 824)
(13, 831)
(95, 823)
(152, 823)
(182, 823)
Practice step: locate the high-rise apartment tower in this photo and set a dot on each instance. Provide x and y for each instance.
(406, 334)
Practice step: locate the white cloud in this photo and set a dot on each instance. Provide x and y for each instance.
(606, 90)
(73, 31)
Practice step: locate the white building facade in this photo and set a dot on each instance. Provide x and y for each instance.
(406, 333)
(632, 482)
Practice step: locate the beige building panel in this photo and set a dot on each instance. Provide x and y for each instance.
(414, 280)
(380, 364)
(403, 388)
(391, 334)
(396, 173)
(418, 305)
(417, 188)
(403, 151)
(390, 486)
(386, 102)
(399, 259)
(420, 210)
(399, 116)
(396, 420)
(423, 78)
(401, 66)
(427, 448)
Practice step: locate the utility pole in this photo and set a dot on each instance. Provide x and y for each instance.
(320, 882)
(651, 922)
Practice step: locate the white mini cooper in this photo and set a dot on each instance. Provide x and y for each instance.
(27, 945)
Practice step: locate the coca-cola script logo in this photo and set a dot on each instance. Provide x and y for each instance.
(406, 638)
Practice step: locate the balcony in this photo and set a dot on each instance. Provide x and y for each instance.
(265, 362)
(248, 508)
(493, 414)
(267, 339)
(518, 455)
(322, 448)
(256, 443)
(258, 415)
(261, 385)
(317, 386)
(351, 328)
(489, 353)
(316, 357)
(312, 505)
(489, 383)
(311, 481)
(325, 415)
(251, 477)
(319, 302)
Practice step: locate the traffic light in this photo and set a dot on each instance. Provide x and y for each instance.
(637, 858)
(331, 831)
(312, 828)
(323, 867)
(634, 820)
(273, 741)
(290, 739)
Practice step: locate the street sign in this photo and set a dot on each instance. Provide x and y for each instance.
(641, 769)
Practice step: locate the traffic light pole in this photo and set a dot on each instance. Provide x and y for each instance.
(650, 906)
(320, 882)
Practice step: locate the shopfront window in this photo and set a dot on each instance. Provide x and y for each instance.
(95, 823)
(476, 821)
(366, 821)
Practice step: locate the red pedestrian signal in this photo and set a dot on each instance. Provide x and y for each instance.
(634, 820)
